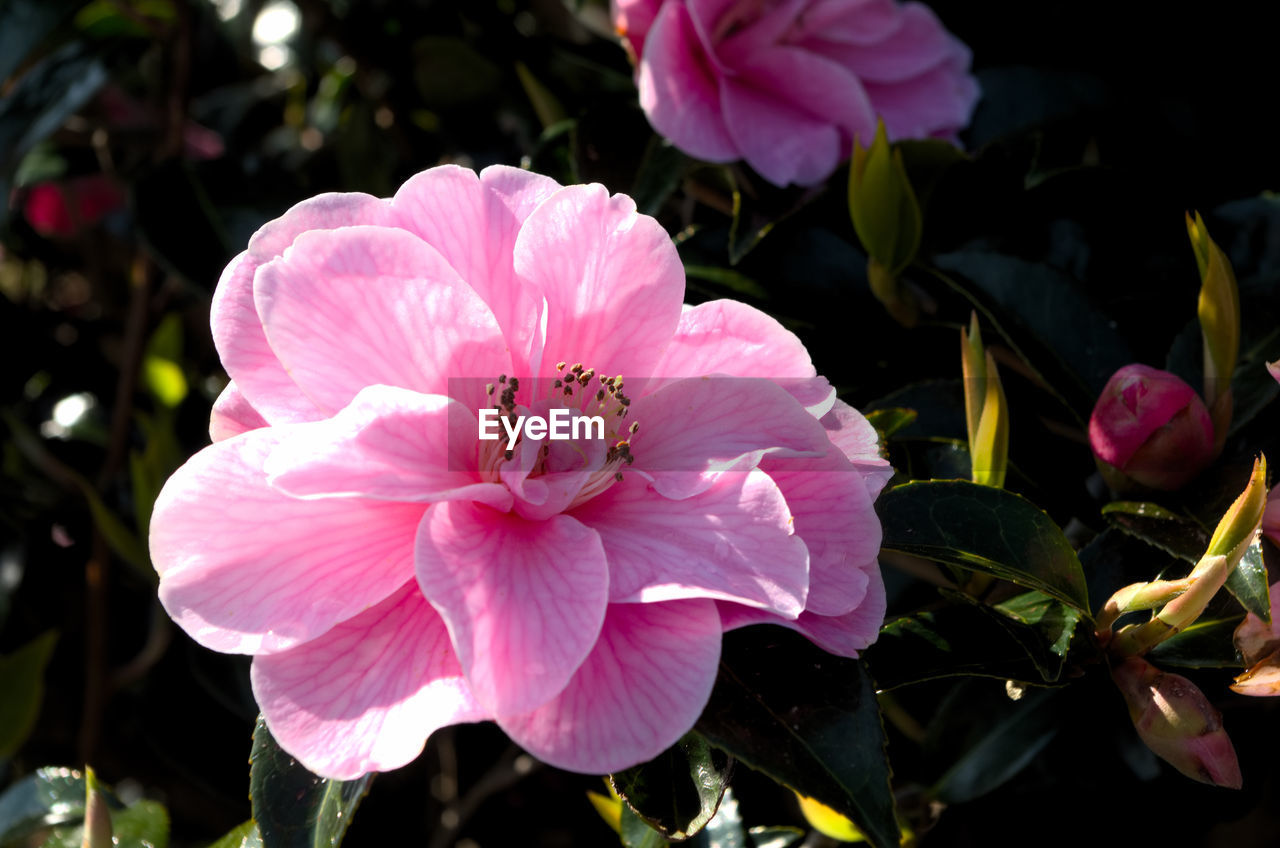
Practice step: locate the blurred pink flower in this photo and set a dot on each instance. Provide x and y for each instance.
(65, 208)
(788, 84)
(1152, 427)
(391, 574)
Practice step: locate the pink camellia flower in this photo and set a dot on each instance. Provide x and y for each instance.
(1151, 427)
(788, 84)
(392, 573)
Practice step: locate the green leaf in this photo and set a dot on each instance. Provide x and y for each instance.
(983, 529)
(51, 796)
(1205, 644)
(1054, 621)
(807, 719)
(939, 408)
(725, 830)
(1048, 306)
(1007, 745)
(22, 690)
(293, 807)
(1248, 582)
(635, 832)
(244, 836)
(891, 420)
(972, 640)
(144, 824)
(678, 791)
(931, 459)
(1172, 533)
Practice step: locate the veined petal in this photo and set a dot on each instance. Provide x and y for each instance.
(611, 278)
(246, 569)
(918, 43)
(843, 635)
(835, 518)
(389, 444)
(473, 221)
(693, 429)
(782, 142)
(734, 541)
(232, 415)
(349, 308)
(857, 439)
(938, 102)
(641, 689)
(366, 695)
(244, 351)
(523, 600)
(728, 337)
(327, 211)
(680, 87)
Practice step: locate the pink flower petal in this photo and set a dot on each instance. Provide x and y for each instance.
(245, 569)
(679, 88)
(472, 221)
(523, 600)
(728, 337)
(612, 280)
(843, 635)
(693, 429)
(835, 518)
(813, 84)
(640, 690)
(734, 542)
(323, 212)
(244, 351)
(917, 44)
(854, 435)
(348, 308)
(936, 103)
(232, 415)
(366, 695)
(388, 444)
(860, 22)
(782, 142)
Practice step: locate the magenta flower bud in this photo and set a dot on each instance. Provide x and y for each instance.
(1151, 429)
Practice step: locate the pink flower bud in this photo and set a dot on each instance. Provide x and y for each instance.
(1177, 722)
(1152, 428)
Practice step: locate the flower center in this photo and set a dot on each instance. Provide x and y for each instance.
(597, 408)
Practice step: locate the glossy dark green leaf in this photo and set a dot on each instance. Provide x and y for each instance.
(983, 529)
(1205, 644)
(1172, 533)
(635, 832)
(808, 720)
(939, 408)
(22, 690)
(1054, 621)
(890, 420)
(774, 837)
(725, 830)
(931, 459)
(1248, 582)
(1026, 642)
(48, 797)
(678, 791)
(293, 807)
(1007, 745)
(244, 836)
(1049, 307)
